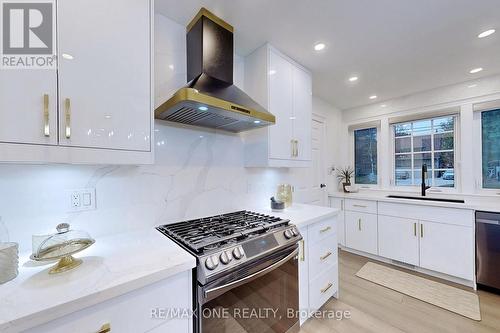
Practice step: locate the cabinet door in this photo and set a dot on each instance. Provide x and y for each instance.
(447, 249)
(361, 231)
(28, 106)
(398, 239)
(302, 113)
(303, 273)
(280, 104)
(339, 204)
(104, 74)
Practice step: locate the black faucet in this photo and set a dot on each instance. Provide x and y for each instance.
(424, 176)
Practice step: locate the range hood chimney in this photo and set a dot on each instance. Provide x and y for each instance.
(210, 99)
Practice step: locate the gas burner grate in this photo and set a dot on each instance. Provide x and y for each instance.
(210, 233)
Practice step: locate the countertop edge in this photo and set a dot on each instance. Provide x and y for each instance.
(99, 296)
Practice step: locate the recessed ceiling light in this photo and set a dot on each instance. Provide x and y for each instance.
(486, 33)
(383, 105)
(319, 46)
(171, 66)
(475, 70)
(256, 121)
(272, 72)
(353, 78)
(472, 86)
(373, 96)
(67, 56)
(202, 108)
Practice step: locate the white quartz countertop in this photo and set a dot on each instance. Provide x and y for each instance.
(301, 214)
(471, 202)
(113, 266)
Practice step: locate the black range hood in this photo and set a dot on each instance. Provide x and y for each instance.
(210, 99)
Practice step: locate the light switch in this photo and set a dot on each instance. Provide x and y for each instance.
(87, 199)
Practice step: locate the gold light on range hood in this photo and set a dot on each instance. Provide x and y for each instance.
(210, 99)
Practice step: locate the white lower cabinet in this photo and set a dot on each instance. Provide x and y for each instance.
(134, 312)
(339, 204)
(398, 239)
(438, 239)
(447, 249)
(361, 231)
(318, 266)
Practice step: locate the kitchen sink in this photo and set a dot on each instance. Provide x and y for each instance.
(425, 198)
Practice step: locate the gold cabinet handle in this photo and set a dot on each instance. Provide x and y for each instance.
(67, 112)
(415, 229)
(46, 126)
(360, 206)
(325, 229)
(421, 230)
(303, 252)
(359, 224)
(292, 146)
(328, 286)
(325, 256)
(105, 328)
(296, 148)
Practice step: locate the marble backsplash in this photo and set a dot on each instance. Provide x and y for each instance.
(196, 173)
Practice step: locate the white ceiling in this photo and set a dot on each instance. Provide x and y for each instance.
(396, 47)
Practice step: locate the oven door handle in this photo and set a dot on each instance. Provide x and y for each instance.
(222, 289)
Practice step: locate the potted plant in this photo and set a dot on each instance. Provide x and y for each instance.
(344, 176)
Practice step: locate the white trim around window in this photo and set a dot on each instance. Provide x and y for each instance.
(478, 153)
(456, 151)
(352, 154)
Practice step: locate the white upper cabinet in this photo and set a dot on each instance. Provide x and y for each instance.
(28, 106)
(97, 106)
(105, 88)
(284, 88)
(302, 113)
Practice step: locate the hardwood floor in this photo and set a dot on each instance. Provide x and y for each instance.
(377, 309)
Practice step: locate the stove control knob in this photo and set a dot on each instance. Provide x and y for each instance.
(295, 232)
(225, 257)
(212, 262)
(288, 233)
(237, 253)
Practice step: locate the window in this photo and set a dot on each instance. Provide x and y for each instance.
(365, 156)
(490, 138)
(430, 142)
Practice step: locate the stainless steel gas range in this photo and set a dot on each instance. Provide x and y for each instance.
(246, 279)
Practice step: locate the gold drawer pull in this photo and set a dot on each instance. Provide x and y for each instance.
(415, 229)
(303, 252)
(360, 206)
(359, 224)
(421, 230)
(67, 107)
(296, 148)
(325, 256)
(325, 229)
(328, 286)
(46, 127)
(105, 328)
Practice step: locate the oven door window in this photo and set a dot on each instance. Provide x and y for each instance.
(267, 303)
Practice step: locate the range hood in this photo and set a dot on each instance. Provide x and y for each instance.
(210, 99)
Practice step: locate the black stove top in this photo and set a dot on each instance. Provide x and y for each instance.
(203, 235)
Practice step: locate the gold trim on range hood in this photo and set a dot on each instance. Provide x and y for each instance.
(190, 94)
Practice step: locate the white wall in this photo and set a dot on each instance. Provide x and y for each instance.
(461, 96)
(197, 172)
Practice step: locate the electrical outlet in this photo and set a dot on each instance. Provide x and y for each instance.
(82, 199)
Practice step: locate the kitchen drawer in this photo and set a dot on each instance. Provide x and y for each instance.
(131, 312)
(322, 230)
(364, 206)
(322, 255)
(323, 287)
(361, 231)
